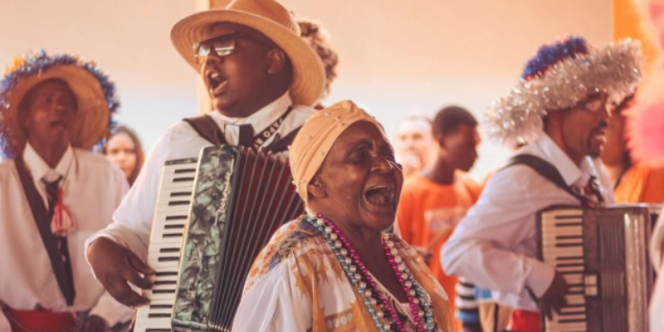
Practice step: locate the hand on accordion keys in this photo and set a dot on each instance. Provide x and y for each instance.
(554, 298)
(115, 266)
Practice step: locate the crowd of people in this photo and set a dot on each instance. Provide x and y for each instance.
(396, 235)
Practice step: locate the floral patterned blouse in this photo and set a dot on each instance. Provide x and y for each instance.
(297, 284)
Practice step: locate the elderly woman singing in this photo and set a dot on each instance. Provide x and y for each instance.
(335, 269)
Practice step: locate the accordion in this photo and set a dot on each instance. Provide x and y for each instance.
(603, 256)
(212, 219)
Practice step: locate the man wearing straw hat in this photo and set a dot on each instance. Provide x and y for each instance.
(262, 79)
(56, 193)
(560, 108)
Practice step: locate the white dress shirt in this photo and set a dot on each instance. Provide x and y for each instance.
(93, 188)
(495, 246)
(132, 221)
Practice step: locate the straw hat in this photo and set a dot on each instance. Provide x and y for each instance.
(272, 20)
(94, 92)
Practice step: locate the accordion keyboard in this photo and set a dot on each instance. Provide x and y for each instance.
(168, 228)
(602, 255)
(562, 247)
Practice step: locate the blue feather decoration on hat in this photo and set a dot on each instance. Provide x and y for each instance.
(35, 63)
(550, 54)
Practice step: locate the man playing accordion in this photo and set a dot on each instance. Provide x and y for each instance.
(262, 79)
(560, 108)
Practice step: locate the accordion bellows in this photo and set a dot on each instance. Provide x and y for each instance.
(240, 198)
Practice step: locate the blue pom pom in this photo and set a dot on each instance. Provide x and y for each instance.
(548, 55)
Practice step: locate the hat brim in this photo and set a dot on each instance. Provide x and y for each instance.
(614, 69)
(91, 118)
(308, 73)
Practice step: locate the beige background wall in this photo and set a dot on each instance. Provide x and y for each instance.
(396, 56)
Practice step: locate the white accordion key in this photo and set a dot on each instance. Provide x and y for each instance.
(168, 229)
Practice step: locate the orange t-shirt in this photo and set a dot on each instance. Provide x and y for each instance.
(427, 209)
(641, 185)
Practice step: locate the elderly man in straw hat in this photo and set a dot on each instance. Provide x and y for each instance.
(55, 193)
(560, 108)
(262, 78)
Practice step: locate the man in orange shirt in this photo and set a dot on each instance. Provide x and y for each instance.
(433, 202)
(632, 182)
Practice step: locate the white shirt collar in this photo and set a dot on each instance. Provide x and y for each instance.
(40, 169)
(263, 117)
(571, 173)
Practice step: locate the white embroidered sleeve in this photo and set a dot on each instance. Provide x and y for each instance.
(274, 303)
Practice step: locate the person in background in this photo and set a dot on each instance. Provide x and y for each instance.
(415, 145)
(432, 203)
(495, 245)
(55, 193)
(632, 182)
(319, 39)
(125, 150)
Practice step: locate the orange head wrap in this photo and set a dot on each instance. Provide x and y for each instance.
(316, 138)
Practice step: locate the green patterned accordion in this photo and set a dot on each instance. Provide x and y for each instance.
(240, 197)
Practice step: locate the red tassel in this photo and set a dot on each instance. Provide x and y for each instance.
(62, 223)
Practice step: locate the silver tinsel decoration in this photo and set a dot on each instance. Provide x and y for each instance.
(614, 69)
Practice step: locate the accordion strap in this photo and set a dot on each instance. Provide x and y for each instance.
(281, 145)
(208, 129)
(549, 172)
(57, 248)
(545, 169)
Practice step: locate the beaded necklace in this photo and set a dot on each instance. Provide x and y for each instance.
(382, 312)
